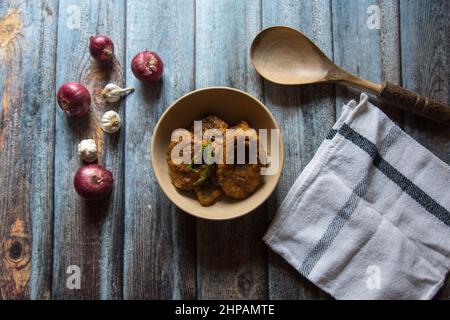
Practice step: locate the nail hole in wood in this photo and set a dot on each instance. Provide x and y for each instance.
(15, 251)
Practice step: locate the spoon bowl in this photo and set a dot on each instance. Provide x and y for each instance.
(285, 56)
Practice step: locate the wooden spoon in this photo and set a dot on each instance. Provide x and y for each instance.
(286, 56)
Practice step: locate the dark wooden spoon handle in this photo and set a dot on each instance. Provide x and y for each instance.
(414, 103)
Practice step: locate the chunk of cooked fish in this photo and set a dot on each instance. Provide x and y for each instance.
(240, 180)
(208, 193)
(214, 122)
(181, 175)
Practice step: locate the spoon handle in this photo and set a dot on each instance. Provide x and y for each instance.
(414, 103)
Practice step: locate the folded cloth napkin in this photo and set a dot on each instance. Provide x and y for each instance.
(368, 218)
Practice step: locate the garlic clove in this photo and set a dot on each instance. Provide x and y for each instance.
(112, 92)
(111, 122)
(87, 150)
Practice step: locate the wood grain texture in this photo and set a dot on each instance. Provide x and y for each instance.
(305, 115)
(159, 255)
(88, 235)
(27, 32)
(232, 260)
(425, 41)
(365, 49)
(43, 97)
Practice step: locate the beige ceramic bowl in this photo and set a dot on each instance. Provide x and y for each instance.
(231, 105)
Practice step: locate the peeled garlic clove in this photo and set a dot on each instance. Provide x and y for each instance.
(87, 150)
(111, 122)
(112, 92)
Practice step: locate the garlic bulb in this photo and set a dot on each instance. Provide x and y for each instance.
(87, 150)
(111, 122)
(112, 93)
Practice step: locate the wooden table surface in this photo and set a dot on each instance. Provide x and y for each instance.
(139, 245)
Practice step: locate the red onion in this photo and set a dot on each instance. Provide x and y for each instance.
(74, 99)
(101, 48)
(147, 66)
(93, 182)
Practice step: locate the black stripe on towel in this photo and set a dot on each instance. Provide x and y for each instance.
(347, 210)
(333, 228)
(331, 134)
(395, 176)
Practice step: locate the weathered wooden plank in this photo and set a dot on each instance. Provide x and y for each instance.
(366, 43)
(159, 240)
(425, 42)
(88, 235)
(305, 115)
(232, 260)
(26, 147)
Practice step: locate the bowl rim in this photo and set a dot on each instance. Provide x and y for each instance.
(277, 176)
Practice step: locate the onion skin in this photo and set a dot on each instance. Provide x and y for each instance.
(147, 66)
(93, 182)
(101, 48)
(74, 99)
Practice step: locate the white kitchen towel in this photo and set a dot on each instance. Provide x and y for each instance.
(368, 218)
